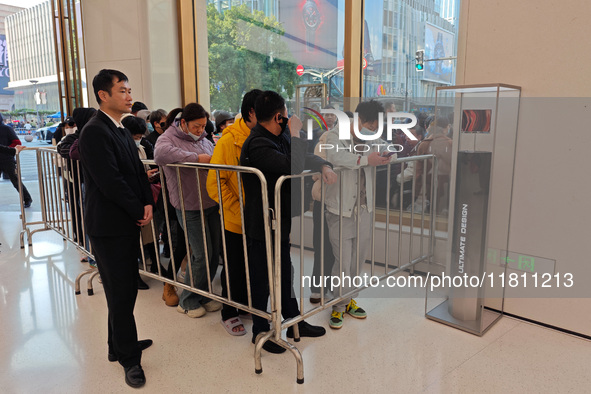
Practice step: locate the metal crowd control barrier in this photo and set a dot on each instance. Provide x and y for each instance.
(61, 198)
(239, 171)
(275, 314)
(61, 193)
(389, 270)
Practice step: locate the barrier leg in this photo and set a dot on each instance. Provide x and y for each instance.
(262, 338)
(296, 332)
(258, 347)
(22, 238)
(79, 278)
(92, 276)
(299, 361)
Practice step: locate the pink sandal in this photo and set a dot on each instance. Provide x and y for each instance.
(231, 323)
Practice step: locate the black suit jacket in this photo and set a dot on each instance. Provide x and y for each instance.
(116, 183)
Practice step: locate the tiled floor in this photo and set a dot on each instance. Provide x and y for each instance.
(55, 342)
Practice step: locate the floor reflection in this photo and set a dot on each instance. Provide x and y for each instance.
(55, 342)
(39, 309)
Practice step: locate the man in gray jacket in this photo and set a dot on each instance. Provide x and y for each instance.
(357, 203)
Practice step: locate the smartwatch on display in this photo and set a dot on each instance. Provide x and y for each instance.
(311, 17)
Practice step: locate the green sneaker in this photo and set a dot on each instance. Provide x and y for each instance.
(355, 311)
(336, 320)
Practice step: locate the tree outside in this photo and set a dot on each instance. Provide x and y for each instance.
(247, 51)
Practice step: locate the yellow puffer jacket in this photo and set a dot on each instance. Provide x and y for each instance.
(227, 151)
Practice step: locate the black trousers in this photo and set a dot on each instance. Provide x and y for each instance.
(116, 258)
(259, 283)
(9, 168)
(236, 274)
(317, 243)
(75, 204)
(179, 247)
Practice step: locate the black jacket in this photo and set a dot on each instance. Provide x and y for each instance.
(274, 156)
(148, 148)
(7, 152)
(63, 148)
(152, 138)
(117, 187)
(7, 137)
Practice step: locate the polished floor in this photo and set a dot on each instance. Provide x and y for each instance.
(55, 342)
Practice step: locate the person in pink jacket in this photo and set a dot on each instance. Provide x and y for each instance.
(184, 141)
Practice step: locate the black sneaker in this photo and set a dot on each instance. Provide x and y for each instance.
(27, 204)
(270, 346)
(307, 330)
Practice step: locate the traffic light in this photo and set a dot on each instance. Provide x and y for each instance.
(420, 58)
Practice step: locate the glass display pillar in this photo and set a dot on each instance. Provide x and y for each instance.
(470, 295)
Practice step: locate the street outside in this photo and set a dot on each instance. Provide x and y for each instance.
(9, 199)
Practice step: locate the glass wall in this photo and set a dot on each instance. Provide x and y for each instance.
(41, 62)
(394, 30)
(293, 47)
(297, 49)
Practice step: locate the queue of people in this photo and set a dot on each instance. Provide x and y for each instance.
(110, 143)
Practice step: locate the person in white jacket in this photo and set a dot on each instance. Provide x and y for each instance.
(358, 156)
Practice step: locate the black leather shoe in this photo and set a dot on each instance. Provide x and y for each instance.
(307, 330)
(27, 204)
(141, 285)
(143, 344)
(134, 376)
(270, 346)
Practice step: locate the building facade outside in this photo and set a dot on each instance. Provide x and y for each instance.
(393, 31)
(6, 96)
(401, 28)
(32, 54)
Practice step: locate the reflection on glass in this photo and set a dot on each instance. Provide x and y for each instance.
(394, 31)
(273, 44)
(31, 66)
(31, 89)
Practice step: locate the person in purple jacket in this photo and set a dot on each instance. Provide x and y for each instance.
(184, 141)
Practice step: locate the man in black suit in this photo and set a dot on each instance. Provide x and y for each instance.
(118, 202)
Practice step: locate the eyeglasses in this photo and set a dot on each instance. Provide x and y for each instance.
(162, 124)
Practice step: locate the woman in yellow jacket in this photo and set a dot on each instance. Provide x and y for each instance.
(227, 151)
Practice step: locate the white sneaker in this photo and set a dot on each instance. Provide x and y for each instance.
(213, 306)
(192, 313)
